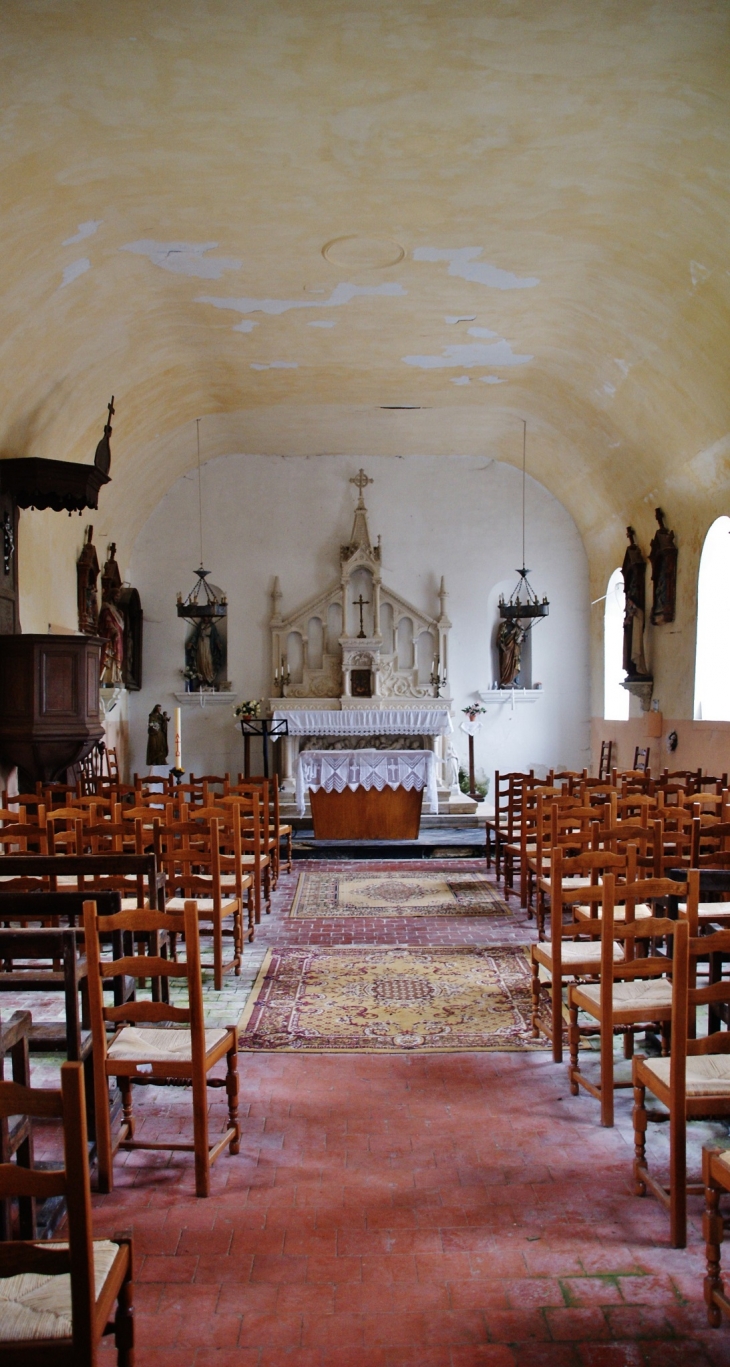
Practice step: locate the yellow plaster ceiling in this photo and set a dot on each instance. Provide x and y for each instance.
(271, 213)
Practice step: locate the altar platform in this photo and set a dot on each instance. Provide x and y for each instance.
(453, 841)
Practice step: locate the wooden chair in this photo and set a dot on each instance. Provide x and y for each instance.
(16, 1131)
(141, 1049)
(76, 1309)
(507, 791)
(238, 872)
(641, 760)
(257, 843)
(716, 1181)
(630, 995)
(189, 855)
(694, 1083)
(604, 767)
(572, 882)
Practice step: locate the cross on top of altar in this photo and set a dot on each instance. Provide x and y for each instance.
(319, 653)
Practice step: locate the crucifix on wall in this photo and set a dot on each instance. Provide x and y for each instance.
(361, 603)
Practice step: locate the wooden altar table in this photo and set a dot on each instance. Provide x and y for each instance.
(366, 794)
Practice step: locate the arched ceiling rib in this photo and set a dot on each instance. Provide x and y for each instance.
(170, 173)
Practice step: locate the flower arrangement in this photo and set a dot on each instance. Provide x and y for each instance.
(474, 710)
(252, 708)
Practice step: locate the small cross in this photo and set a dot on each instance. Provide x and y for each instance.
(360, 603)
(112, 410)
(361, 481)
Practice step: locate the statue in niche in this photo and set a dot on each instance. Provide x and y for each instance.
(633, 571)
(111, 623)
(663, 557)
(510, 639)
(451, 772)
(157, 735)
(204, 654)
(87, 574)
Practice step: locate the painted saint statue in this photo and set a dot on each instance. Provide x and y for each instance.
(510, 639)
(633, 571)
(157, 735)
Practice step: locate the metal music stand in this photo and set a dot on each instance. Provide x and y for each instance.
(265, 727)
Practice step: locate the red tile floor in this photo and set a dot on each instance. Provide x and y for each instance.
(407, 1211)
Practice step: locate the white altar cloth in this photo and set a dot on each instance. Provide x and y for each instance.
(335, 770)
(367, 721)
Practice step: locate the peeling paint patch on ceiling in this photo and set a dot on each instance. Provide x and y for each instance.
(459, 317)
(184, 258)
(460, 379)
(491, 379)
(84, 230)
(341, 294)
(463, 262)
(469, 354)
(275, 365)
(73, 271)
(322, 323)
(698, 273)
(481, 332)
(245, 325)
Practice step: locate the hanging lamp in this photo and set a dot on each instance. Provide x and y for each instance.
(203, 602)
(523, 603)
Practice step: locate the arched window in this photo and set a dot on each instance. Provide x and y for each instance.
(615, 698)
(712, 661)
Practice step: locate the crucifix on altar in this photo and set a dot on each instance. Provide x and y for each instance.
(361, 603)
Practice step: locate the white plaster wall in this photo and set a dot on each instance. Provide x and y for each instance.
(459, 517)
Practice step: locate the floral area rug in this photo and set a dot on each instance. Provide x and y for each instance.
(396, 894)
(367, 1000)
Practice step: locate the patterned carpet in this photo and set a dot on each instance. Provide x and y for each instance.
(395, 894)
(372, 1000)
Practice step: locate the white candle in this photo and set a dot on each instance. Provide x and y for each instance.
(178, 738)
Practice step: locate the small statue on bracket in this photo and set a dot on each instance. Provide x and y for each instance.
(87, 574)
(510, 639)
(111, 623)
(633, 571)
(663, 557)
(157, 746)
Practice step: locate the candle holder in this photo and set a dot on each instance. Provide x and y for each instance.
(438, 680)
(177, 774)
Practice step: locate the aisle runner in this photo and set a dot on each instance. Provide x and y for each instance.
(364, 1000)
(396, 894)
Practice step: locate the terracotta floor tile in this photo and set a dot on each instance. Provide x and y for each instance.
(455, 1210)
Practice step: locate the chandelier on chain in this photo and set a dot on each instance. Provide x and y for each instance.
(204, 602)
(523, 604)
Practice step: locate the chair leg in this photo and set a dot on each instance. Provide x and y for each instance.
(125, 1087)
(712, 1231)
(678, 1179)
(232, 1095)
(639, 1118)
(237, 939)
(105, 1161)
(124, 1317)
(556, 995)
(606, 1073)
(267, 888)
(535, 988)
(288, 851)
(574, 1045)
(200, 1133)
(251, 914)
(217, 952)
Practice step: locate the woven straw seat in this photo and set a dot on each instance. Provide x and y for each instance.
(575, 952)
(649, 993)
(204, 905)
(174, 1045)
(642, 912)
(37, 1306)
(707, 1074)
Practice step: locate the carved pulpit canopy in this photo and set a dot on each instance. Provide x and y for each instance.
(358, 638)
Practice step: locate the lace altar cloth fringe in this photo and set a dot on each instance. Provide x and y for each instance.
(335, 770)
(368, 721)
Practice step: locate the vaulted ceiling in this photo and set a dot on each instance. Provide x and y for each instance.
(378, 227)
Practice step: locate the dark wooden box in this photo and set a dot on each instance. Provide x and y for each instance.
(49, 703)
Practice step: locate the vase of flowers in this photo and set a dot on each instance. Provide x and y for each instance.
(248, 710)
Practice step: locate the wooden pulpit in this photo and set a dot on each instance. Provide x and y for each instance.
(49, 703)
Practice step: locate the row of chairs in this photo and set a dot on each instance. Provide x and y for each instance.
(629, 874)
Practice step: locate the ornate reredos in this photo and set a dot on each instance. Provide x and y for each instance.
(332, 634)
